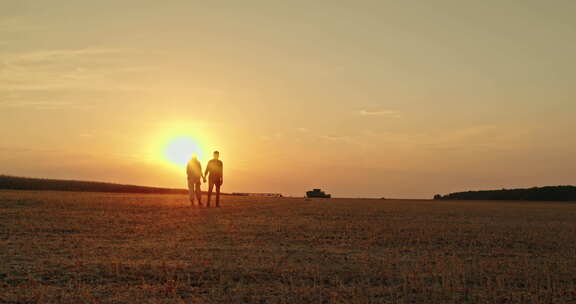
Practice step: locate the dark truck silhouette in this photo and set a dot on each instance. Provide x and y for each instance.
(317, 193)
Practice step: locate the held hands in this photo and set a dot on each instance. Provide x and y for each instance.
(204, 180)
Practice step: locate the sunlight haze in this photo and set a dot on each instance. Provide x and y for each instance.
(400, 99)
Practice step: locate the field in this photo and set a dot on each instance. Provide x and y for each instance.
(66, 247)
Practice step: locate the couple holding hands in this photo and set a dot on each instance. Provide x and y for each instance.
(213, 171)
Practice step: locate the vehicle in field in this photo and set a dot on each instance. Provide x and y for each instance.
(317, 193)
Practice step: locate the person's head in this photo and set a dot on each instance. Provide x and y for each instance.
(194, 156)
(216, 154)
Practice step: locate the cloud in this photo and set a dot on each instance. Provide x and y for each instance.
(47, 105)
(471, 138)
(66, 78)
(47, 56)
(56, 99)
(335, 138)
(383, 113)
(64, 68)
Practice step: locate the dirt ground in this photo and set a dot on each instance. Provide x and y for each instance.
(66, 247)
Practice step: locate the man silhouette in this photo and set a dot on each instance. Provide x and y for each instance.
(216, 177)
(194, 172)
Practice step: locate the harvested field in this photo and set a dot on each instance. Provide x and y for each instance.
(67, 247)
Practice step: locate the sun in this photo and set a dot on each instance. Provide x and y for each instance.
(179, 150)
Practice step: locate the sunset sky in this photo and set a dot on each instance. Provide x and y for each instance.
(360, 98)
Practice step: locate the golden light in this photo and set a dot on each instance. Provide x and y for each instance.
(173, 142)
(179, 150)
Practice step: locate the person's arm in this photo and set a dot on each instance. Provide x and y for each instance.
(222, 175)
(206, 172)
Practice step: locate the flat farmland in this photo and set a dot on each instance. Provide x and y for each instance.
(67, 247)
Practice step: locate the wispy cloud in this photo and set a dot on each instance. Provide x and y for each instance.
(57, 99)
(88, 68)
(47, 105)
(472, 138)
(65, 78)
(384, 113)
(47, 56)
(335, 138)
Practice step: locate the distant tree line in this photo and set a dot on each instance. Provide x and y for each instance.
(551, 193)
(24, 183)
